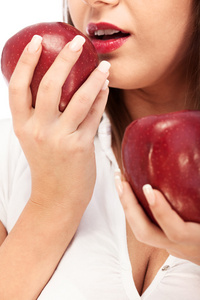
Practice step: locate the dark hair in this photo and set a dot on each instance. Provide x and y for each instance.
(194, 58)
(116, 109)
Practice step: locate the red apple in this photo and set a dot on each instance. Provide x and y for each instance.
(164, 151)
(55, 36)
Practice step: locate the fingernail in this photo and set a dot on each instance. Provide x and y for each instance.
(77, 42)
(104, 66)
(118, 182)
(105, 85)
(149, 194)
(34, 43)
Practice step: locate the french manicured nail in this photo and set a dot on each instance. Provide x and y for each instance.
(118, 182)
(34, 43)
(77, 42)
(105, 85)
(149, 194)
(104, 66)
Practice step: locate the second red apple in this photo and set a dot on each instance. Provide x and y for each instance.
(164, 151)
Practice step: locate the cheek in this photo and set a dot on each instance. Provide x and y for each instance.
(77, 12)
(152, 58)
(143, 68)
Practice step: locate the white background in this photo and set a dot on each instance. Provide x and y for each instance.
(14, 16)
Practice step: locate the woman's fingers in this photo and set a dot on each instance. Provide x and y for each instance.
(91, 122)
(179, 238)
(171, 223)
(49, 91)
(19, 88)
(144, 230)
(82, 101)
(86, 106)
(50, 88)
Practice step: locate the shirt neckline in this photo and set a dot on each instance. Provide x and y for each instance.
(104, 135)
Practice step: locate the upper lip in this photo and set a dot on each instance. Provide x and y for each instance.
(94, 29)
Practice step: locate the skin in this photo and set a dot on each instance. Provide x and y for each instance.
(60, 147)
(156, 51)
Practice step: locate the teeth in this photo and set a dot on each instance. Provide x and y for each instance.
(105, 32)
(99, 32)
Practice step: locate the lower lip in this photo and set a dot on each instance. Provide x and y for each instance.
(106, 46)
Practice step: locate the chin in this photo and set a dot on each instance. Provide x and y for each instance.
(123, 84)
(122, 78)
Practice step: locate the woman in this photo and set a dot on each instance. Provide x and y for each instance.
(63, 231)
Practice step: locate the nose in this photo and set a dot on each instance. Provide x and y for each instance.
(94, 3)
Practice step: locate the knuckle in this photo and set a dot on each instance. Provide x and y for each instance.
(159, 214)
(19, 132)
(66, 59)
(93, 112)
(178, 236)
(141, 235)
(47, 84)
(25, 59)
(98, 79)
(14, 88)
(80, 144)
(83, 98)
(39, 135)
(126, 208)
(174, 237)
(141, 231)
(81, 147)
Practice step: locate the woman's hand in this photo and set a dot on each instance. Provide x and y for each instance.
(59, 146)
(179, 238)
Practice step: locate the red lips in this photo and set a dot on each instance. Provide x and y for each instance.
(106, 37)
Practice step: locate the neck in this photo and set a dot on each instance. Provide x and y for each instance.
(158, 99)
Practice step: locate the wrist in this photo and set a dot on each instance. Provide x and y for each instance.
(52, 217)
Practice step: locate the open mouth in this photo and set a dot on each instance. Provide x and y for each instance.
(108, 34)
(106, 37)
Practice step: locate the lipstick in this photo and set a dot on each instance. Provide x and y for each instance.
(106, 37)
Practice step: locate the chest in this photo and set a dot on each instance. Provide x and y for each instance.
(145, 261)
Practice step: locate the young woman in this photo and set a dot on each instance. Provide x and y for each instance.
(63, 231)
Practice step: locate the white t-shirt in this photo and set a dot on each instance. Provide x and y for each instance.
(96, 265)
